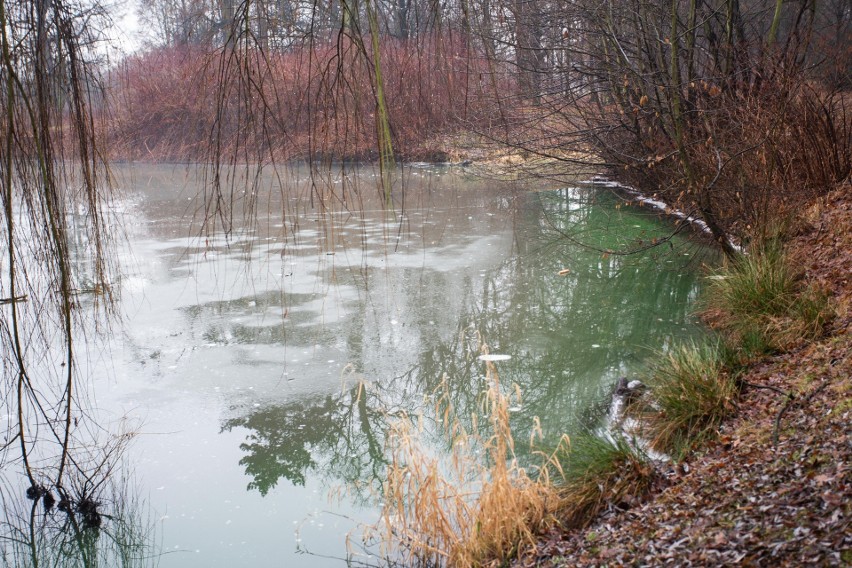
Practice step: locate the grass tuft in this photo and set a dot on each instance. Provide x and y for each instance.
(762, 305)
(692, 391)
(599, 471)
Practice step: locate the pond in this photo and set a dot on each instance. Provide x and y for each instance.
(260, 365)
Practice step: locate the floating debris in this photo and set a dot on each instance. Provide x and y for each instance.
(494, 357)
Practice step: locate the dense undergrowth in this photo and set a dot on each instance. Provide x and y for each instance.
(750, 155)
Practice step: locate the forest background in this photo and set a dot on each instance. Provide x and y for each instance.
(730, 110)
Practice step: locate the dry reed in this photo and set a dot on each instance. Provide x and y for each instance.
(476, 508)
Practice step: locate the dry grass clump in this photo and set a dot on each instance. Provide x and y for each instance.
(478, 507)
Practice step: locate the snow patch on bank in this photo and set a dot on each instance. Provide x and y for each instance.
(637, 196)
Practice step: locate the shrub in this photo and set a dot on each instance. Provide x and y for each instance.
(312, 101)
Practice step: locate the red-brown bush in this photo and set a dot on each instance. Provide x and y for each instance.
(181, 104)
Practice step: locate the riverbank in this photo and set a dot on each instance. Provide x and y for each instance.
(774, 487)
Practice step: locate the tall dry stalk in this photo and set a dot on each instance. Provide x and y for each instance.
(477, 506)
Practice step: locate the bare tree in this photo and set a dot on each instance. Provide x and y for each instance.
(56, 270)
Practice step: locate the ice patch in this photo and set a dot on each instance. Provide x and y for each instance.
(494, 357)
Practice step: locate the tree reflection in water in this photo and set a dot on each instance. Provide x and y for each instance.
(340, 435)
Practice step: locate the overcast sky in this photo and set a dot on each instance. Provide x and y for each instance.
(127, 33)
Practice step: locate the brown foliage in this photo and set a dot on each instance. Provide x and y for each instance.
(313, 102)
(755, 154)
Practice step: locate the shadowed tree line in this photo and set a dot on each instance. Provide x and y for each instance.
(733, 110)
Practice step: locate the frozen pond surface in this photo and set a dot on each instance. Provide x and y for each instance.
(241, 360)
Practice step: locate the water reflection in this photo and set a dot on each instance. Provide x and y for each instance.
(338, 435)
(572, 319)
(65, 496)
(267, 363)
(260, 319)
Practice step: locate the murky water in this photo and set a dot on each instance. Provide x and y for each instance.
(241, 358)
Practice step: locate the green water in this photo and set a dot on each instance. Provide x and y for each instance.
(261, 368)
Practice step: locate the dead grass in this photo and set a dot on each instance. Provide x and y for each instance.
(480, 506)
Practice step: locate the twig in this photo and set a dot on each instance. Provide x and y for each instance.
(775, 433)
(4, 301)
(790, 398)
(817, 390)
(767, 387)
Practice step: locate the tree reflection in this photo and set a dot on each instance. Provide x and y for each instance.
(340, 436)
